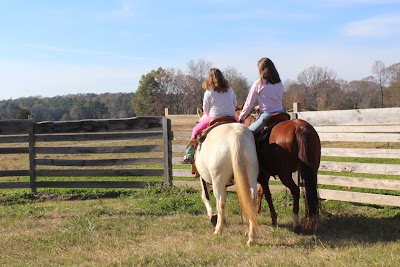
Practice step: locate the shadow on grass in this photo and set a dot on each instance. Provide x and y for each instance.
(359, 228)
(343, 229)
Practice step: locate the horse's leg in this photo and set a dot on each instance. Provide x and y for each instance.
(267, 193)
(252, 228)
(295, 191)
(260, 193)
(205, 196)
(220, 196)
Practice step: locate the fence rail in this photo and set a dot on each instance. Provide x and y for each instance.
(66, 149)
(381, 126)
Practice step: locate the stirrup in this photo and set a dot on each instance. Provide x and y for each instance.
(187, 159)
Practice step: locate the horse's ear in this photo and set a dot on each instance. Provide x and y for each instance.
(199, 112)
(240, 107)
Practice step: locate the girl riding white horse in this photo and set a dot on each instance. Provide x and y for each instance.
(229, 153)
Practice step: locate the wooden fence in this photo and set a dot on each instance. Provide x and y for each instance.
(63, 149)
(71, 149)
(381, 126)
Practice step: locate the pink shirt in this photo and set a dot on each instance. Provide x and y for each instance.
(269, 98)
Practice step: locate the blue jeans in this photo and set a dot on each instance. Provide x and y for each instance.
(260, 123)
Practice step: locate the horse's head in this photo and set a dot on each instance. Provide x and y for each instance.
(249, 119)
(200, 113)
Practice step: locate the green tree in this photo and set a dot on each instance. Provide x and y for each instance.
(150, 96)
(23, 114)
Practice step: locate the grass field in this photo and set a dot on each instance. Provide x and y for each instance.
(159, 226)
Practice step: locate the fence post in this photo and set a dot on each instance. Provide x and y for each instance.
(296, 109)
(166, 112)
(167, 137)
(294, 115)
(32, 155)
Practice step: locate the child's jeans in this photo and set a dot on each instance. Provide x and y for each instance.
(260, 123)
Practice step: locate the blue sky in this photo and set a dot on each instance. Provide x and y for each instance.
(51, 48)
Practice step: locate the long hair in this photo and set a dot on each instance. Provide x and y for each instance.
(216, 81)
(268, 71)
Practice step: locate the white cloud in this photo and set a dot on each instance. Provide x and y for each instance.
(85, 52)
(357, 2)
(378, 26)
(20, 78)
(64, 50)
(349, 62)
(126, 9)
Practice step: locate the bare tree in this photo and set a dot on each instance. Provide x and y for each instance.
(317, 82)
(294, 92)
(394, 85)
(363, 94)
(393, 72)
(238, 83)
(381, 77)
(177, 87)
(197, 70)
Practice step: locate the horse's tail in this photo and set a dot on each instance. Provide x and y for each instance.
(241, 176)
(309, 146)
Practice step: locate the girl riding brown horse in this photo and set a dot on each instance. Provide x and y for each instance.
(283, 148)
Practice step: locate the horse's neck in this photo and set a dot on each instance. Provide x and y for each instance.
(249, 120)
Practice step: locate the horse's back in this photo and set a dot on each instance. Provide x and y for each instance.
(217, 152)
(240, 131)
(229, 135)
(286, 130)
(295, 139)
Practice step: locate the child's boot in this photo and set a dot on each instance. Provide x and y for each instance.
(188, 158)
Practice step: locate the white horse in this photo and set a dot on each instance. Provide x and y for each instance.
(229, 153)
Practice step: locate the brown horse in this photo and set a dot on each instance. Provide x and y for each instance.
(283, 148)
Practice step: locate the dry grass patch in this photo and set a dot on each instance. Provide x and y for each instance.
(168, 227)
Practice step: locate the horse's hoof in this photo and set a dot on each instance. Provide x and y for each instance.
(217, 232)
(298, 229)
(251, 243)
(274, 223)
(214, 219)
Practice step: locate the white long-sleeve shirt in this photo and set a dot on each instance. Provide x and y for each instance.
(269, 98)
(219, 104)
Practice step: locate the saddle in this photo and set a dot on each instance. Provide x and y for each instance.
(214, 123)
(271, 122)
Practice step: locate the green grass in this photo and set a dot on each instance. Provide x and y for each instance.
(383, 145)
(362, 175)
(167, 226)
(361, 160)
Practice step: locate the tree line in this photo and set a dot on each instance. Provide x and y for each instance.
(316, 88)
(69, 107)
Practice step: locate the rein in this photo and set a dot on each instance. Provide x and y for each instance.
(250, 113)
